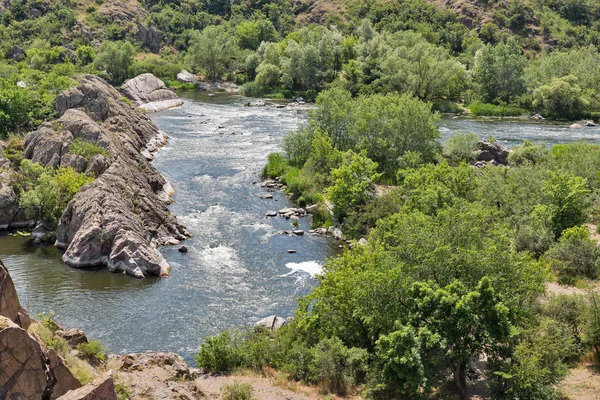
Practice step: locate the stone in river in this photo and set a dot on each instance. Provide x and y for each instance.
(266, 196)
(292, 251)
(299, 232)
(183, 249)
(271, 213)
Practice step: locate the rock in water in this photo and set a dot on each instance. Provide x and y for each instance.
(118, 219)
(575, 126)
(150, 93)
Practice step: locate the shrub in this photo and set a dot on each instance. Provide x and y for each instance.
(237, 391)
(445, 107)
(576, 254)
(219, 353)
(335, 367)
(461, 147)
(527, 153)
(537, 363)
(93, 349)
(252, 89)
(14, 151)
(51, 192)
(86, 149)
(567, 309)
(592, 322)
(275, 167)
(560, 99)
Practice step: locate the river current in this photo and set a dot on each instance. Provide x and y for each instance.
(238, 269)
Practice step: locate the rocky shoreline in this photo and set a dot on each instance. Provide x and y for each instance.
(120, 218)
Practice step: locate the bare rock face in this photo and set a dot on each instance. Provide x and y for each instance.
(29, 370)
(149, 37)
(100, 389)
(150, 93)
(120, 218)
(10, 307)
(493, 153)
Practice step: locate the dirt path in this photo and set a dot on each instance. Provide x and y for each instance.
(582, 383)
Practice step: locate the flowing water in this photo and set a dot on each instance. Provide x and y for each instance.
(237, 269)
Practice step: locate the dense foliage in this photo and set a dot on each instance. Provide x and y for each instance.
(454, 268)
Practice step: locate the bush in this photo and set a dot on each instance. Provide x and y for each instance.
(275, 167)
(14, 151)
(237, 391)
(353, 183)
(576, 254)
(447, 107)
(219, 353)
(461, 147)
(561, 99)
(51, 192)
(335, 367)
(86, 149)
(527, 153)
(252, 89)
(567, 309)
(93, 349)
(537, 363)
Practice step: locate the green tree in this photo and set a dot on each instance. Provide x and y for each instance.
(560, 99)
(499, 72)
(566, 199)
(115, 58)
(212, 49)
(353, 183)
(51, 193)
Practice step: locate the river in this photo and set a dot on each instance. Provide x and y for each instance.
(237, 269)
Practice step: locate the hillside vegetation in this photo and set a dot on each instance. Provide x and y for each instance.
(534, 55)
(450, 285)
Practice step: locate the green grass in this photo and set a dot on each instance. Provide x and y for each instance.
(492, 110)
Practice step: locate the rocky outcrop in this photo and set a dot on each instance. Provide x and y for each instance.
(272, 323)
(150, 93)
(149, 37)
(28, 369)
(119, 219)
(186, 77)
(491, 152)
(100, 389)
(10, 307)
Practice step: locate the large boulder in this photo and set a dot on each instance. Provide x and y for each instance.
(186, 77)
(100, 389)
(150, 93)
(492, 152)
(272, 323)
(10, 307)
(117, 220)
(28, 369)
(149, 37)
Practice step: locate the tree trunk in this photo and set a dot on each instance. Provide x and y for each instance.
(460, 380)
